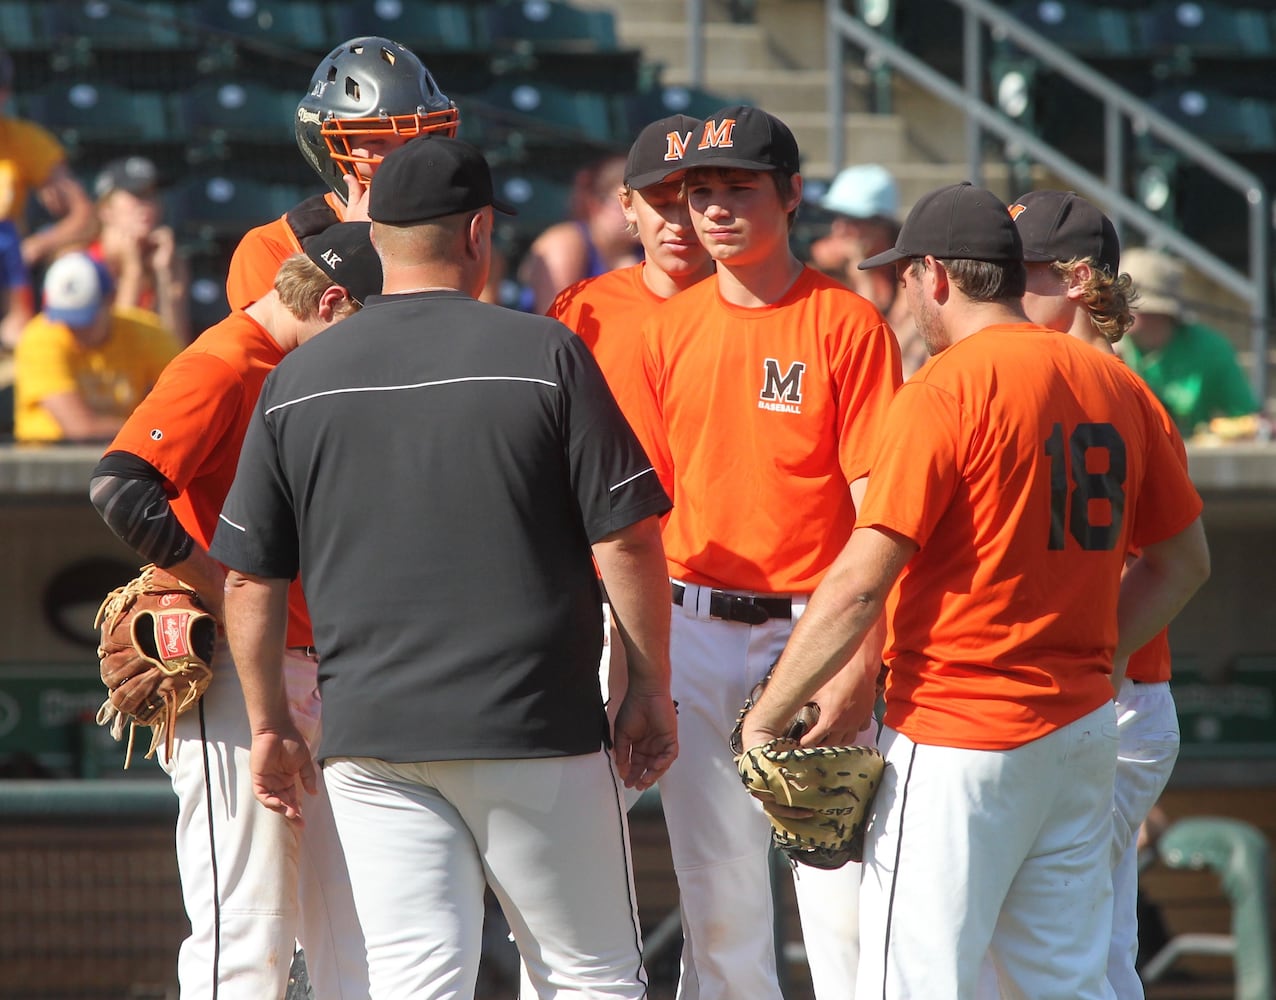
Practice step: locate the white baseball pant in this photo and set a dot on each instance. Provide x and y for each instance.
(549, 835)
(1148, 747)
(719, 836)
(1006, 853)
(254, 884)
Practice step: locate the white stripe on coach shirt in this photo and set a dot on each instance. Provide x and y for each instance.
(416, 385)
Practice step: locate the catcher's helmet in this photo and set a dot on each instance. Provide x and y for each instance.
(365, 85)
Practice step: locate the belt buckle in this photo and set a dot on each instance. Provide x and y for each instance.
(743, 609)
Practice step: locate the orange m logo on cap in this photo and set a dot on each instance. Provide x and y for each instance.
(676, 146)
(1017, 210)
(717, 135)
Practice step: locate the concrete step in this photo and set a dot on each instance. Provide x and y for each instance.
(727, 47)
(869, 138)
(779, 91)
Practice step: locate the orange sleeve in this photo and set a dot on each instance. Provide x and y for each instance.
(255, 261)
(646, 419)
(867, 377)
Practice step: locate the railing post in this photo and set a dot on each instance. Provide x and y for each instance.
(835, 52)
(1260, 222)
(695, 42)
(972, 70)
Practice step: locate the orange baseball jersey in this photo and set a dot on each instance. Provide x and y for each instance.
(607, 313)
(1151, 663)
(191, 428)
(256, 259)
(1025, 466)
(757, 420)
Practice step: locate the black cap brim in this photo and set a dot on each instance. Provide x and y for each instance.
(885, 257)
(652, 177)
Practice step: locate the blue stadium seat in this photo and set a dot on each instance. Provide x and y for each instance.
(547, 112)
(240, 111)
(22, 26)
(645, 106)
(101, 25)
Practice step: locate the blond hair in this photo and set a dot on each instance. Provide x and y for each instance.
(301, 283)
(1107, 298)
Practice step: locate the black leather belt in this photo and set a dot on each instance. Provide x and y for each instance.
(309, 651)
(738, 608)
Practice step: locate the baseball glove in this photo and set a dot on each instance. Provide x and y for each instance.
(155, 654)
(801, 723)
(836, 783)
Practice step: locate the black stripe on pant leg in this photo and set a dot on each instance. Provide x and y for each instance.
(622, 817)
(212, 853)
(899, 847)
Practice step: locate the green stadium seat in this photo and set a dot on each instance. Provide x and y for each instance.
(645, 106)
(289, 24)
(212, 208)
(99, 119)
(547, 113)
(132, 28)
(422, 25)
(1089, 31)
(22, 27)
(1204, 29)
(554, 24)
(1230, 124)
(541, 200)
(240, 110)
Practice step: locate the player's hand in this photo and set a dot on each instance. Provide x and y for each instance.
(646, 740)
(162, 246)
(356, 199)
(281, 765)
(846, 707)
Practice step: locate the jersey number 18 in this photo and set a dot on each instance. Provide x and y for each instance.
(1075, 512)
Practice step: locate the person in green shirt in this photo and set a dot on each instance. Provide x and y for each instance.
(1192, 368)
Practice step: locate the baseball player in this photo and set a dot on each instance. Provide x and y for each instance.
(1005, 492)
(253, 884)
(765, 390)
(1075, 286)
(607, 311)
(465, 741)
(368, 96)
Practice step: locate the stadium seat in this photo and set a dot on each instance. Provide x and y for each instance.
(547, 113)
(1203, 29)
(22, 26)
(1230, 124)
(105, 116)
(645, 106)
(240, 110)
(423, 26)
(1087, 30)
(102, 25)
(541, 200)
(211, 208)
(291, 24)
(551, 24)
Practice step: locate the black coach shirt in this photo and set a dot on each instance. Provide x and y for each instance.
(436, 469)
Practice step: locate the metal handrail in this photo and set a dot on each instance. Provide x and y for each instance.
(1119, 104)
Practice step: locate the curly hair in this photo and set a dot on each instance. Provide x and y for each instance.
(1108, 298)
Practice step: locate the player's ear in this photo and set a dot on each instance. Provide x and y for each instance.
(330, 302)
(1079, 278)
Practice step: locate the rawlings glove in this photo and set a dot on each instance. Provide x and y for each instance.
(836, 783)
(157, 644)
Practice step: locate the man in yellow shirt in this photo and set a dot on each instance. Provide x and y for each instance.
(33, 162)
(81, 366)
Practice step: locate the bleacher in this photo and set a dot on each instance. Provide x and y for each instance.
(207, 90)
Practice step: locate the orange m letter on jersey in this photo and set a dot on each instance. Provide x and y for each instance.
(676, 147)
(717, 135)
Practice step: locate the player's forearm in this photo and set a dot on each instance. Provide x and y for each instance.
(1157, 585)
(843, 613)
(632, 563)
(256, 616)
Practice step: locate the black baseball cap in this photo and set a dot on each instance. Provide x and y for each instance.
(344, 252)
(1061, 225)
(657, 153)
(746, 138)
(429, 177)
(958, 222)
(135, 174)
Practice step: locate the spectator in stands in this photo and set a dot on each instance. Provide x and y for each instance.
(17, 303)
(82, 366)
(33, 162)
(137, 248)
(595, 240)
(1192, 368)
(864, 200)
